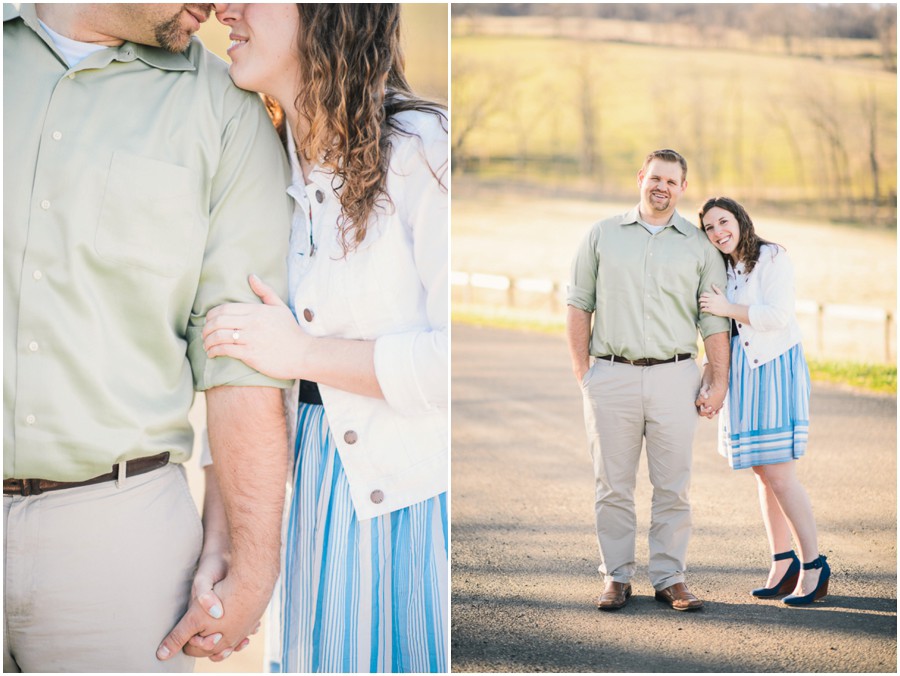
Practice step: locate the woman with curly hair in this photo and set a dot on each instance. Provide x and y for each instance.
(765, 419)
(364, 576)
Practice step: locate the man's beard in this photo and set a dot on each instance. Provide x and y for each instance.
(171, 36)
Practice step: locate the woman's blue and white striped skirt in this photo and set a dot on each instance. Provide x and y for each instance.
(765, 419)
(356, 596)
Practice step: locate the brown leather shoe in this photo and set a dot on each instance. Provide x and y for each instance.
(679, 598)
(614, 596)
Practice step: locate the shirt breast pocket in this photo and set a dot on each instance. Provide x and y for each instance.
(149, 217)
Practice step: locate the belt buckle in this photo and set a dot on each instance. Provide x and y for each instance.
(31, 487)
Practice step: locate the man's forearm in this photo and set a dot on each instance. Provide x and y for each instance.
(718, 354)
(578, 334)
(248, 441)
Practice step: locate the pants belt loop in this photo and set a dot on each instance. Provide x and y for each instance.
(676, 358)
(612, 358)
(120, 480)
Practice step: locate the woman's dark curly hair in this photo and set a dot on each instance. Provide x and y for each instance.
(749, 244)
(352, 85)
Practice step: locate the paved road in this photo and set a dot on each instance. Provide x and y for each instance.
(525, 555)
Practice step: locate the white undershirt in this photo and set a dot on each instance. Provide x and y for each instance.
(653, 229)
(72, 50)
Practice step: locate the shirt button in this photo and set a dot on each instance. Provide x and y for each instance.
(377, 497)
(320, 196)
(37, 274)
(71, 76)
(30, 419)
(33, 346)
(350, 437)
(308, 315)
(45, 204)
(56, 135)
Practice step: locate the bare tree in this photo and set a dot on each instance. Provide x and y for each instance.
(479, 93)
(826, 115)
(586, 83)
(778, 116)
(525, 112)
(869, 106)
(887, 36)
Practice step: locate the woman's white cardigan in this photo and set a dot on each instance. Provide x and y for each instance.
(769, 292)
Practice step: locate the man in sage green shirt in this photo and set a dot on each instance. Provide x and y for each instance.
(640, 276)
(141, 189)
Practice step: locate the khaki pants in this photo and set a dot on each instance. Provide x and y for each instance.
(623, 405)
(95, 577)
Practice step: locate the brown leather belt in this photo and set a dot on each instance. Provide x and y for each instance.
(645, 362)
(134, 467)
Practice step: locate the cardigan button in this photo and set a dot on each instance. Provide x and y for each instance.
(756, 361)
(740, 326)
(350, 437)
(308, 315)
(320, 196)
(747, 344)
(377, 497)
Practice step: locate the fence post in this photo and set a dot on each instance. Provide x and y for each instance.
(820, 328)
(888, 317)
(511, 293)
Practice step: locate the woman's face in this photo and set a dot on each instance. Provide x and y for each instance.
(723, 230)
(263, 47)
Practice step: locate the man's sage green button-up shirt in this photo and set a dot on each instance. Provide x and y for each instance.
(140, 189)
(644, 289)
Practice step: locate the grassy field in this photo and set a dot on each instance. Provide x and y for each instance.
(755, 124)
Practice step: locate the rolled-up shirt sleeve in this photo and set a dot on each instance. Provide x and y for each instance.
(777, 286)
(412, 367)
(581, 292)
(712, 273)
(249, 214)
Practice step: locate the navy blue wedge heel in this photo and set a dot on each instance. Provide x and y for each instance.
(821, 588)
(788, 582)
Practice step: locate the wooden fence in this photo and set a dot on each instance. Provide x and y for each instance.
(547, 296)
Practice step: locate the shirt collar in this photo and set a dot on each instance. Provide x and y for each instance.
(296, 186)
(675, 220)
(155, 57)
(321, 178)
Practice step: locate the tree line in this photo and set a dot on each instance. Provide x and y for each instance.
(793, 23)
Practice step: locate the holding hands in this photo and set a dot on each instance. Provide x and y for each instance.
(204, 631)
(709, 400)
